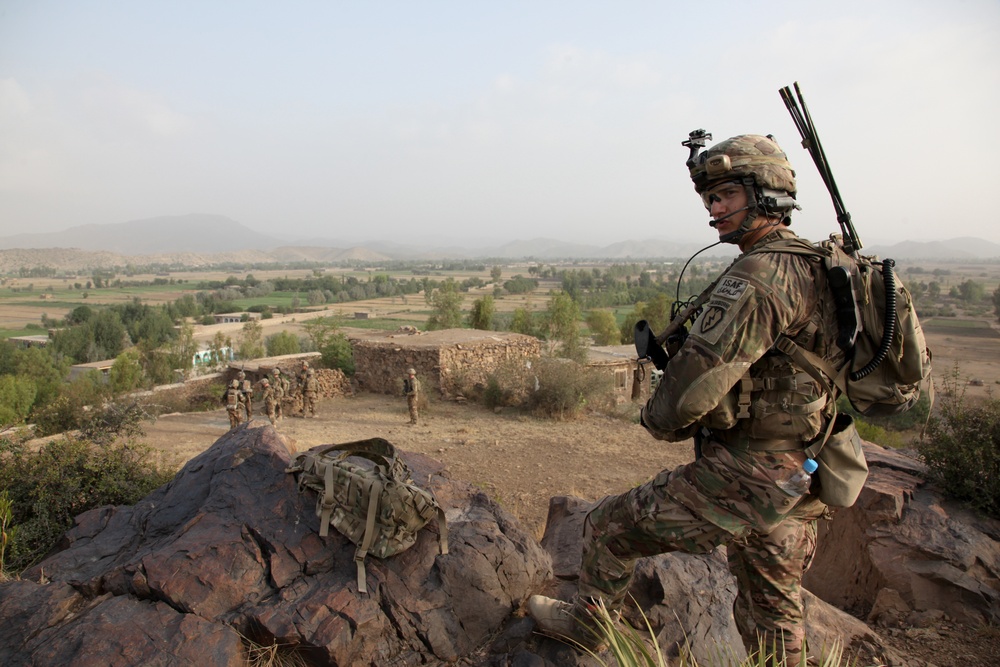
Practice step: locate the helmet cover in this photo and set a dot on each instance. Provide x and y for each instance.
(744, 156)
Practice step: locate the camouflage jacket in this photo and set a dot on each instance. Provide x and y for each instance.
(727, 376)
(268, 396)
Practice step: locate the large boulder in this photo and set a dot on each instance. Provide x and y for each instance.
(903, 553)
(229, 551)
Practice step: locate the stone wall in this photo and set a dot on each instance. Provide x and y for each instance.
(441, 359)
(468, 365)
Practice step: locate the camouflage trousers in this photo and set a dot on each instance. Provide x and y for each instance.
(309, 403)
(269, 409)
(235, 416)
(725, 497)
(411, 403)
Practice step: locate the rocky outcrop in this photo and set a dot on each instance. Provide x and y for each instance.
(902, 553)
(230, 550)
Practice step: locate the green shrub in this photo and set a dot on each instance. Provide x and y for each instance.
(962, 450)
(565, 389)
(878, 435)
(547, 387)
(507, 386)
(337, 353)
(47, 488)
(69, 410)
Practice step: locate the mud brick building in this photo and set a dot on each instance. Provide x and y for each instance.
(442, 359)
(619, 362)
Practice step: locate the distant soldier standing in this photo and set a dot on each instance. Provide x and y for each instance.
(247, 390)
(309, 392)
(300, 387)
(232, 399)
(268, 396)
(280, 386)
(411, 388)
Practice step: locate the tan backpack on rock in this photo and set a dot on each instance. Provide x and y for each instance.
(377, 507)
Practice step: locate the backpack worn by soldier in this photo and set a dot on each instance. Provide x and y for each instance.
(232, 398)
(247, 388)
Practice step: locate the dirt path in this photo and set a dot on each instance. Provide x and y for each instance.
(520, 461)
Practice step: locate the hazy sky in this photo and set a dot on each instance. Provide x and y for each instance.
(489, 120)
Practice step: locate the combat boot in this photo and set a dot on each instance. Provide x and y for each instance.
(572, 622)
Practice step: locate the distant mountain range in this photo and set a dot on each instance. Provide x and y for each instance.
(199, 237)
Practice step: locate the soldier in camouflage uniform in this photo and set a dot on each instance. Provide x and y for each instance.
(247, 388)
(269, 399)
(750, 409)
(309, 392)
(232, 398)
(300, 388)
(280, 385)
(411, 389)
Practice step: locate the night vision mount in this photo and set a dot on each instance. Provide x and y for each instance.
(695, 142)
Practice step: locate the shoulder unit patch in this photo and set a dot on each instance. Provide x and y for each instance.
(722, 308)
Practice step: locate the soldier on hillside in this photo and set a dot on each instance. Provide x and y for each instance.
(751, 409)
(268, 396)
(232, 398)
(280, 385)
(247, 388)
(309, 392)
(411, 389)
(300, 388)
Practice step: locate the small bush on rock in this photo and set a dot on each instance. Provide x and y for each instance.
(962, 450)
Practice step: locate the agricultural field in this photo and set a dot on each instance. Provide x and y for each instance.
(963, 334)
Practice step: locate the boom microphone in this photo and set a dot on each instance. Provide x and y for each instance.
(714, 221)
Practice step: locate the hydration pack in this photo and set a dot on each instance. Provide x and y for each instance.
(376, 507)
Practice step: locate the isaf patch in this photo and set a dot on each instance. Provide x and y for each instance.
(722, 308)
(731, 288)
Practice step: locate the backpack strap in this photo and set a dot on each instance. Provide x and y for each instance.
(816, 366)
(374, 494)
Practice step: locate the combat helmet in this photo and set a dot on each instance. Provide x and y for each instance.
(265, 383)
(234, 384)
(410, 371)
(752, 160)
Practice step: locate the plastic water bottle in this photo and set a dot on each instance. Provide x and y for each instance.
(798, 484)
